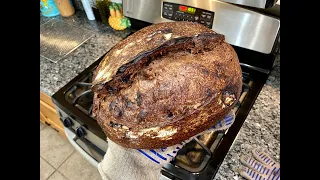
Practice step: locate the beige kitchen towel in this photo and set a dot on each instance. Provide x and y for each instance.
(127, 164)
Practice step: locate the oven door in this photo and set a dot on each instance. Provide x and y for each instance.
(89, 151)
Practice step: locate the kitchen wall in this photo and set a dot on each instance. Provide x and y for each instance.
(78, 4)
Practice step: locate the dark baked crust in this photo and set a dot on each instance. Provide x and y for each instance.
(166, 90)
(146, 41)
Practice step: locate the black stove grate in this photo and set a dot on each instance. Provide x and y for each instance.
(81, 96)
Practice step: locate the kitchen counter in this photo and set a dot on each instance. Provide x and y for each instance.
(260, 129)
(53, 76)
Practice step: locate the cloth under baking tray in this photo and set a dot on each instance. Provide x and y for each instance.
(58, 39)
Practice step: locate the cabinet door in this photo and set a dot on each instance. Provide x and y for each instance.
(48, 114)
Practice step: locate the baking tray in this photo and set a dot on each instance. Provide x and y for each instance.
(58, 39)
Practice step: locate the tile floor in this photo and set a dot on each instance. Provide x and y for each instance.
(60, 161)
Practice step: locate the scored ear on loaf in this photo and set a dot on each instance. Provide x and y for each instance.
(164, 84)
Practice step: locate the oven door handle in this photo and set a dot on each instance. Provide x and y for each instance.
(72, 139)
(92, 146)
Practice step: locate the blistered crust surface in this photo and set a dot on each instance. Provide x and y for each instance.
(144, 40)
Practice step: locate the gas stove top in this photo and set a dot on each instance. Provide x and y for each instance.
(199, 159)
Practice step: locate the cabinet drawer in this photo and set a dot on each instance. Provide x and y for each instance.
(50, 123)
(46, 98)
(50, 112)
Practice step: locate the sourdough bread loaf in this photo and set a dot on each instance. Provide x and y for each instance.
(165, 84)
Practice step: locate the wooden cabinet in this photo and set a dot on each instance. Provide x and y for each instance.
(48, 114)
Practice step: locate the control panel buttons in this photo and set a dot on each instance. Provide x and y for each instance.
(203, 18)
(67, 122)
(81, 132)
(180, 12)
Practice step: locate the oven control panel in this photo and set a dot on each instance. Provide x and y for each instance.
(177, 12)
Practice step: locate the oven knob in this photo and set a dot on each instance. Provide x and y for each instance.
(67, 122)
(81, 132)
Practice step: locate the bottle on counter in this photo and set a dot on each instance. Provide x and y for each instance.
(48, 8)
(65, 7)
(87, 8)
(103, 7)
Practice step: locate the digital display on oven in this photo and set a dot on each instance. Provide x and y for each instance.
(181, 12)
(186, 9)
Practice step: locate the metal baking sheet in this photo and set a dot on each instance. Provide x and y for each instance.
(58, 39)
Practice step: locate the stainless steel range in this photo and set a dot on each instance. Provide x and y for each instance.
(254, 37)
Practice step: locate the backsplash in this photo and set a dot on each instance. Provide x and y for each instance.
(78, 4)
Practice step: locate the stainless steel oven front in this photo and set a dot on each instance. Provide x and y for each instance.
(89, 153)
(89, 145)
(241, 27)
